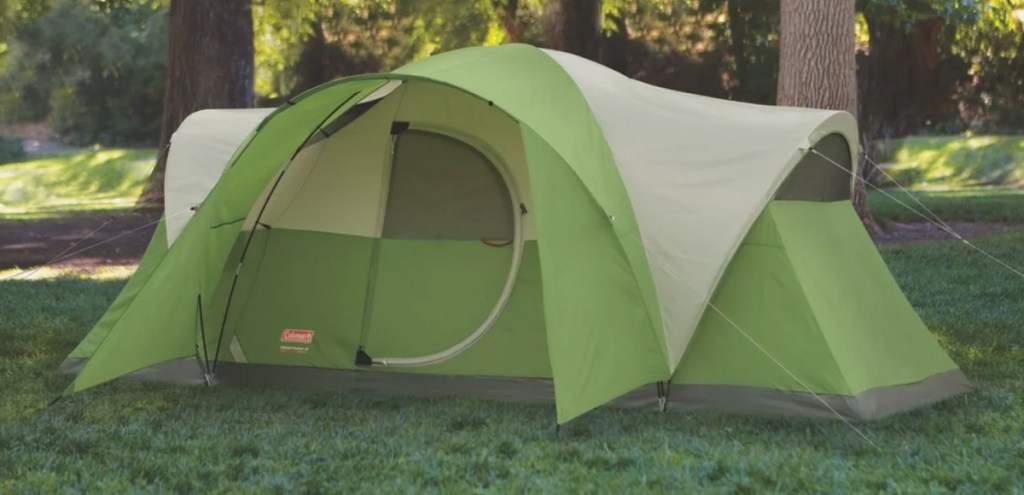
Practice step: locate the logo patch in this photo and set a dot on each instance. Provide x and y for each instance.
(295, 341)
(297, 336)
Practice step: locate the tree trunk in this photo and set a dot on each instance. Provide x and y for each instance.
(310, 69)
(614, 52)
(508, 14)
(738, 45)
(907, 82)
(574, 26)
(209, 65)
(817, 67)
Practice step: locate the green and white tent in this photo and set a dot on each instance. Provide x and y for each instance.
(522, 224)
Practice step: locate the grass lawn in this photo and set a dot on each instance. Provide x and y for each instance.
(101, 179)
(952, 162)
(999, 205)
(129, 436)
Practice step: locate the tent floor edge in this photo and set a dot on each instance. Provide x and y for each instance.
(71, 366)
(872, 404)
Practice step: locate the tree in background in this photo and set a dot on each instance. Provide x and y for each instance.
(574, 26)
(817, 66)
(754, 50)
(303, 43)
(209, 65)
(94, 70)
(989, 37)
(816, 55)
(908, 72)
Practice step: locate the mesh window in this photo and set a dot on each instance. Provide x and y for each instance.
(442, 188)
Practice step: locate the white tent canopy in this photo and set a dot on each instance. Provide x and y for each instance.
(199, 151)
(698, 171)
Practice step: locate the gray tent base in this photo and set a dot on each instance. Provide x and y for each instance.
(872, 404)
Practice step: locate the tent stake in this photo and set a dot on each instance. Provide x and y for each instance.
(663, 388)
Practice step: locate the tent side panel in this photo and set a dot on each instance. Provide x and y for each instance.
(600, 337)
(160, 323)
(317, 281)
(761, 294)
(809, 287)
(876, 336)
(698, 171)
(155, 252)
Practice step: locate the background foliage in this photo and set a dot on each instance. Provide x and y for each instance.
(94, 69)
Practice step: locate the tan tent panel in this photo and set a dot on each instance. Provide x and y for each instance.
(199, 151)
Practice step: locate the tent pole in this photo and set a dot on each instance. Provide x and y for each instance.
(238, 269)
(204, 362)
(259, 217)
(362, 358)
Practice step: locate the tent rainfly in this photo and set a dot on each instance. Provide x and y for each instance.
(522, 224)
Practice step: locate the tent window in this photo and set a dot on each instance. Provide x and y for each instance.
(442, 188)
(815, 179)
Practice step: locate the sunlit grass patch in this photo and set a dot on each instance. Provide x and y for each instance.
(101, 273)
(145, 437)
(97, 179)
(943, 162)
(999, 205)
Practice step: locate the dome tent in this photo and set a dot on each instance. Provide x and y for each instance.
(521, 223)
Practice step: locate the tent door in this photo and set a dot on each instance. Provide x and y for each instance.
(448, 252)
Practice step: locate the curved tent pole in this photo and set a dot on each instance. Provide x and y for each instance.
(252, 232)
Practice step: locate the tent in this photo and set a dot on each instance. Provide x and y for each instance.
(522, 224)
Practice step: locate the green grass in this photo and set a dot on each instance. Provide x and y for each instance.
(970, 205)
(130, 436)
(943, 162)
(959, 178)
(104, 179)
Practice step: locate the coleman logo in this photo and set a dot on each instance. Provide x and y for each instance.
(297, 336)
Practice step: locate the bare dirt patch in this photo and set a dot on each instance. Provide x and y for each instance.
(896, 232)
(120, 240)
